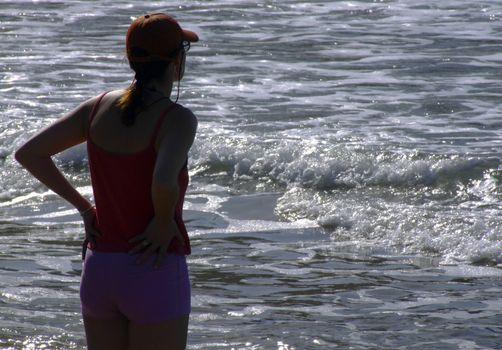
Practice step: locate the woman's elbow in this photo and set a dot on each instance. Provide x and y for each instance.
(21, 155)
(27, 154)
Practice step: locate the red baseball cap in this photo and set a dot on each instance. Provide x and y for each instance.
(158, 35)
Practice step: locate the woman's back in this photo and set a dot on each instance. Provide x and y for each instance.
(122, 161)
(108, 132)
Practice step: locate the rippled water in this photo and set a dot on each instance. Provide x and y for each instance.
(346, 177)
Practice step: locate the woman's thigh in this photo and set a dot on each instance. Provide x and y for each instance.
(167, 335)
(106, 334)
(151, 296)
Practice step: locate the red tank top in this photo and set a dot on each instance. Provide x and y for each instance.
(122, 193)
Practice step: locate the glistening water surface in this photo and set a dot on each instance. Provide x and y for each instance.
(345, 181)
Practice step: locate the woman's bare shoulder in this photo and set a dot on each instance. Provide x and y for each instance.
(110, 97)
(86, 106)
(184, 117)
(182, 123)
(180, 127)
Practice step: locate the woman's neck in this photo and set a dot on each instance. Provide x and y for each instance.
(157, 89)
(151, 95)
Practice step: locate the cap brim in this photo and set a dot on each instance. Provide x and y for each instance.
(190, 36)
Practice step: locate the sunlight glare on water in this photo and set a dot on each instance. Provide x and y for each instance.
(345, 180)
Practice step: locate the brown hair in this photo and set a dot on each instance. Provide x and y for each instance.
(131, 101)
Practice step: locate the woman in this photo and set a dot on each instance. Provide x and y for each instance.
(135, 291)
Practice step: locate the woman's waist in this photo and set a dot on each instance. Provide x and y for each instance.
(119, 246)
(120, 262)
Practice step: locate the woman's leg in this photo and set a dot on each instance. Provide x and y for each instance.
(105, 327)
(153, 296)
(168, 335)
(106, 334)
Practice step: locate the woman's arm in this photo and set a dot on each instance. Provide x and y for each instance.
(171, 157)
(35, 154)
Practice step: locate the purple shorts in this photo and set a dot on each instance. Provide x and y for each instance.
(114, 286)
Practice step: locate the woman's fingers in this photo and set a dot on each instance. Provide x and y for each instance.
(161, 255)
(92, 240)
(138, 238)
(92, 231)
(91, 234)
(138, 247)
(155, 240)
(150, 248)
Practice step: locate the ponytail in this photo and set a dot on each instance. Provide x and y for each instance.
(131, 102)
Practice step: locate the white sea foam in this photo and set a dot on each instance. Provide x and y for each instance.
(376, 120)
(344, 149)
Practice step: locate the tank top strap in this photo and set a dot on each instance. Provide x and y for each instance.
(161, 119)
(93, 112)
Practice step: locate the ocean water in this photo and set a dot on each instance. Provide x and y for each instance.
(345, 181)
